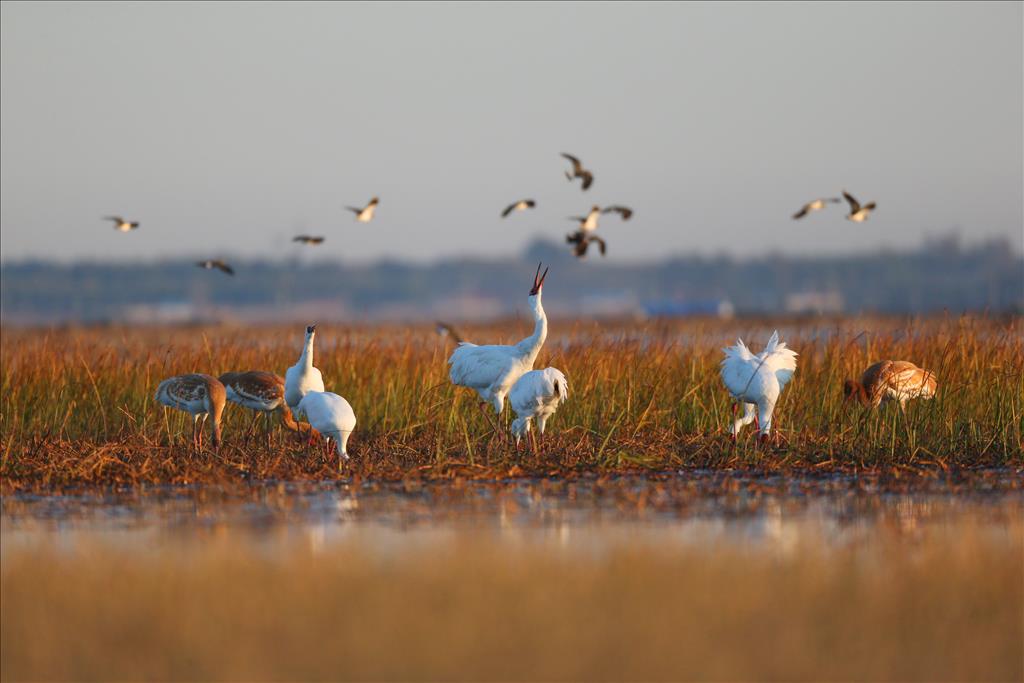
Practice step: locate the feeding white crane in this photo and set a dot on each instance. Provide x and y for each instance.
(302, 377)
(332, 416)
(492, 370)
(757, 381)
(198, 395)
(537, 394)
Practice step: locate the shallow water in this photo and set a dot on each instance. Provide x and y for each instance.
(760, 512)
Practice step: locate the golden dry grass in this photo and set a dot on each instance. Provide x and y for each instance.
(948, 607)
(76, 406)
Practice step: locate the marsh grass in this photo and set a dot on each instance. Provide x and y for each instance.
(943, 607)
(76, 405)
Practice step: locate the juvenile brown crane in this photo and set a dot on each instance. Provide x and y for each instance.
(200, 396)
(891, 380)
(263, 393)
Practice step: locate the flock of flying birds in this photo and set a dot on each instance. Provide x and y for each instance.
(499, 371)
(581, 239)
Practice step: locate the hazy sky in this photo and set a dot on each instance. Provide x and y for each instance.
(227, 128)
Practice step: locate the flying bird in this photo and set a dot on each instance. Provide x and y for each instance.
(588, 223)
(332, 416)
(120, 224)
(308, 239)
(757, 381)
(198, 395)
(578, 171)
(537, 394)
(582, 241)
(521, 205)
(858, 213)
(262, 393)
(492, 370)
(216, 263)
(303, 377)
(365, 214)
(891, 380)
(816, 205)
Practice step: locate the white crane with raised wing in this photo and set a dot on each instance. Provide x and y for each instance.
(492, 370)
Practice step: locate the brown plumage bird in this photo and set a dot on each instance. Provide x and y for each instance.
(200, 396)
(582, 240)
(858, 213)
(210, 264)
(816, 205)
(308, 239)
(891, 380)
(121, 225)
(521, 205)
(263, 393)
(579, 172)
(365, 214)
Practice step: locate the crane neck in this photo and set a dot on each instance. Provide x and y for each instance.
(306, 358)
(531, 345)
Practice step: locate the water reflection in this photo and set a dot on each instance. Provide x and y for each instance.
(773, 513)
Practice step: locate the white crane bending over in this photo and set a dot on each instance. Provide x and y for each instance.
(302, 377)
(756, 381)
(492, 370)
(332, 416)
(537, 394)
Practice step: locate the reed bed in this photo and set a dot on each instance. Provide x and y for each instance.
(77, 409)
(946, 607)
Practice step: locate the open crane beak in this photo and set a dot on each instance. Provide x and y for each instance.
(538, 280)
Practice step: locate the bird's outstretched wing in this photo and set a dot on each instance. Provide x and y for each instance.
(576, 165)
(600, 244)
(870, 207)
(354, 210)
(623, 211)
(802, 212)
(116, 219)
(220, 265)
(854, 204)
(588, 179)
(509, 209)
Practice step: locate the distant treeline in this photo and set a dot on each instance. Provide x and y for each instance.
(940, 276)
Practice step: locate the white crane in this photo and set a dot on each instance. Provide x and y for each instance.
(198, 395)
(537, 394)
(332, 416)
(757, 381)
(492, 370)
(302, 377)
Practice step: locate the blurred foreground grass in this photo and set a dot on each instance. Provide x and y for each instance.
(945, 607)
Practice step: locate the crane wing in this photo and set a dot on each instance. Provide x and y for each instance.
(738, 367)
(479, 367)
(779, 359)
